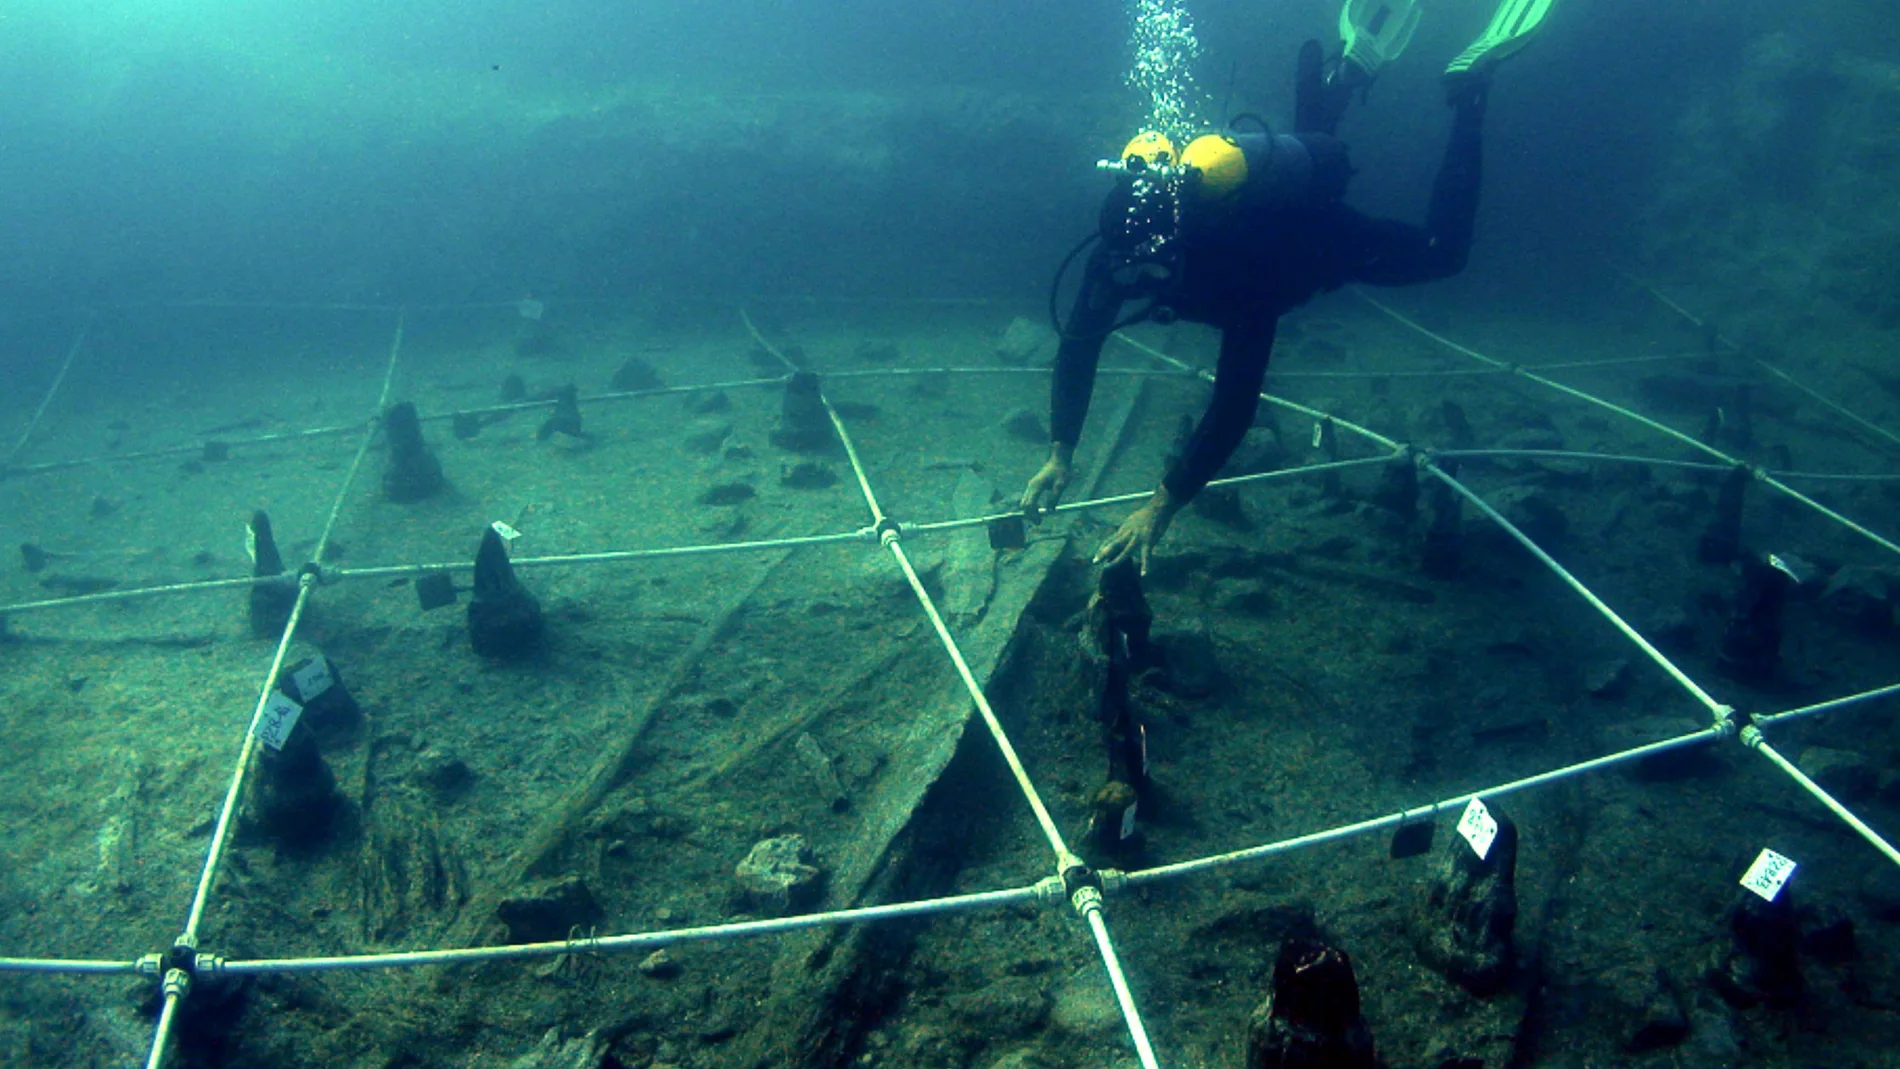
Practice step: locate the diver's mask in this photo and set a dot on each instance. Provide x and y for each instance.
(1141, 230)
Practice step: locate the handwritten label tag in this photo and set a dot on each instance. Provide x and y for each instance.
(507, 533)
(1478, 827)
(314, 678)
(529, 308)
(1128, 820)
(280, 716)
(1769, 872)
(1319, 434)
(250, 542)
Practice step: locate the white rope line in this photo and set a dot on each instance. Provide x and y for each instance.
(1752, 738)
(1686, 439)
(1703, 325)
(616, 944)
(1820, 708)
(176, 988)
(337, 430)
(1432, 810)
(1695, 690)
(1065, 860)
(72, 353)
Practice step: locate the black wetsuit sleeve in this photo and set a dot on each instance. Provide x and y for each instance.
(1244, 349)
(1096, 306)
(1385, 252)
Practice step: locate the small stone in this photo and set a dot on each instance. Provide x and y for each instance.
(1829, 938)
(1025, 424)
(1880, 892)
(1248, 597)
(728, 494)
(1021, 341)
(1192, 670)
(659, 965)
(1532, 512)
(549, 913)
(1842, 773)
(1222, 505)
(1862, 596)
(444, 773)
(1674, 631)
(707, 436)
(776, 877)
(1607, 680)
(877, 352)
(636, 374)
(808, 475)
(1658, 1018)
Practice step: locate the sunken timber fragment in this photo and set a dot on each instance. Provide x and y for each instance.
(566, 419)
(297, 804)
(803, 424)
(1466, 926)
(1311, 1017)
(414, 473)
(1444, 548)
(504, 620)
(1751, 643)
(1721, 541)
(329, 710)
(1760, 963)
(272, 600)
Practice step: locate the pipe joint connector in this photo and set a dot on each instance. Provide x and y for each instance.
(1752, 737)
(888, 531)
(1082, 886)
(182, 957)
(1725, 722)
(150, 966)
(177, 984)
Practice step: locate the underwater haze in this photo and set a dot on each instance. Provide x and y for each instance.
(521, 516)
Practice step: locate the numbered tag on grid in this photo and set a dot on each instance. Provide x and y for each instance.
(1319, 434)
(250, 542)
(280, 716)
(1767, 875)
(314, 678)
(1128, 820)
(1478, 827)
(507, 533)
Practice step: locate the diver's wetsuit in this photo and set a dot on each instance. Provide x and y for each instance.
(1287, 238)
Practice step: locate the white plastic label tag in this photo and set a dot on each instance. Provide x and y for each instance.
(313, 678)
(1319, 434)
(529, 308)
(250, 542)
(1478, 827)
(1766, 876)
(507, 533)
(280, 716)
(1128, 819)
(1144, 750)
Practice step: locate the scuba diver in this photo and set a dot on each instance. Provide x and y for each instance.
(1244, 226)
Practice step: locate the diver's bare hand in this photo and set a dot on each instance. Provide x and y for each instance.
(1045, 487)
(1140, 532)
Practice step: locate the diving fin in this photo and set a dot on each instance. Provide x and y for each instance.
(1319, 98)
(1376, 31)
(1511, 28)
